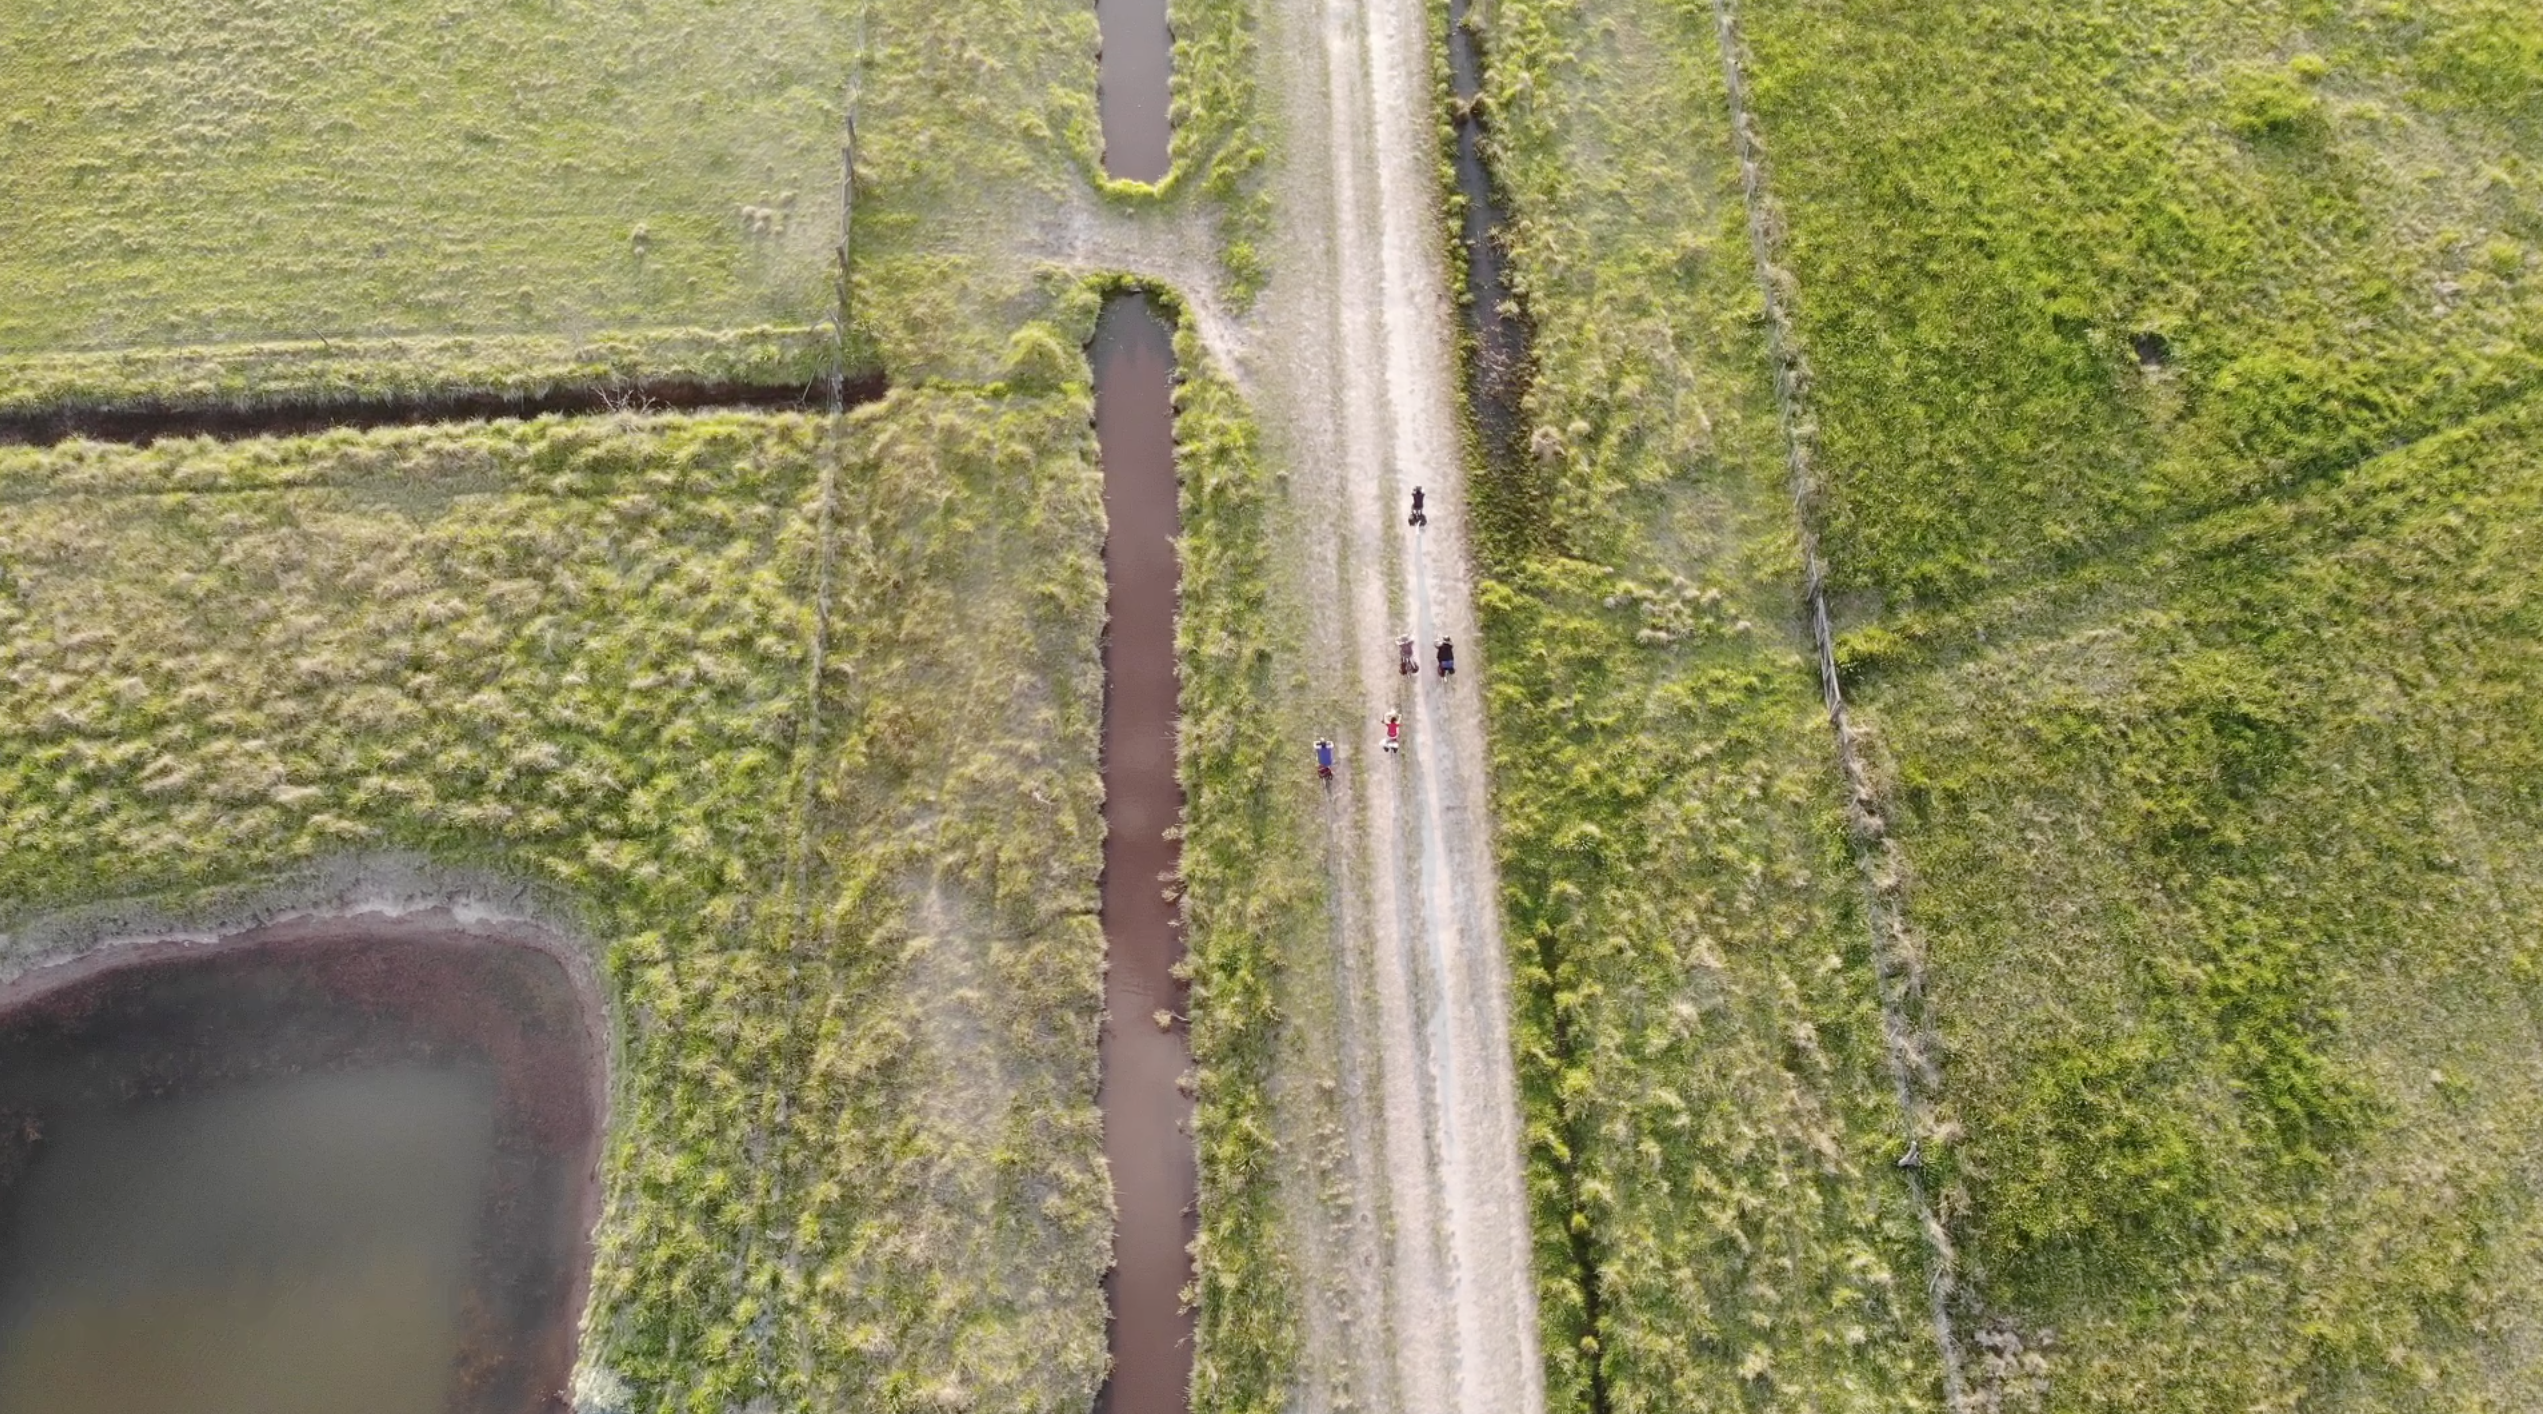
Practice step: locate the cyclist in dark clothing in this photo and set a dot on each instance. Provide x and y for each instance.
(1418, 517)
(1447, 659)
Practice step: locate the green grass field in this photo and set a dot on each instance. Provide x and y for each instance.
(849, 939)
(2173, 373)
(1710, 1126)
(215, 172)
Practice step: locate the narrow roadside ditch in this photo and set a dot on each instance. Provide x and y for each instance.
(1499, 361)
(142, 425)
(1146, 1045)
(1497, 375)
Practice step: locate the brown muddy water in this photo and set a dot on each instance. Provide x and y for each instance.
(1147, 1118)
(1132, 87)
(318, 1168)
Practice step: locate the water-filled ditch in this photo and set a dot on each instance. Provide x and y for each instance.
(142, 425)
(1500, 364)
(324, 1166)
(1147, 1117)
(1132, 91)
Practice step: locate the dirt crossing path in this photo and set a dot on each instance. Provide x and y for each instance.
(1422, 1298)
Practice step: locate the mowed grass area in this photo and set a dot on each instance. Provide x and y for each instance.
(2175, 368)
(241, 202)
(849, 935)
(217, 171)
(1710, 1123)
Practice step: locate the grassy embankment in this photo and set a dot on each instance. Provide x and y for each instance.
(1254, 893)
(1710, 1122)
(849, 937)
(2176, 369)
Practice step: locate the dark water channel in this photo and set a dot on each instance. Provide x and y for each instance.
(1500, 368)
(326, 1168)
(1132, 90)
(1147, 1118)
(143, 425)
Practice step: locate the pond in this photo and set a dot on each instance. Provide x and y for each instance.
(323, 1166)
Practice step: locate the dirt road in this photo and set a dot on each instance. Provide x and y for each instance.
(1422, 1298)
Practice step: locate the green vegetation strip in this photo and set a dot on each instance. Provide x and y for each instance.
(1219, 142)
(849, 936)
(1253, 891)
(379, 371)
(1702, 1055)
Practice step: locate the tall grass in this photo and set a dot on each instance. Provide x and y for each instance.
(849, 936)
(1710, 1127)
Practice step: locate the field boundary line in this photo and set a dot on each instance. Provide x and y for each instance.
(1897, 972)
(825, 516)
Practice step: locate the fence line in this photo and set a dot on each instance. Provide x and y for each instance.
(1907, 1039)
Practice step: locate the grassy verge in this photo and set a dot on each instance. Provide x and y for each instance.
(2174, 372)
(849, 936)
(1219, 144)
(1254, 892)
(1710, 1123)
(388, 370)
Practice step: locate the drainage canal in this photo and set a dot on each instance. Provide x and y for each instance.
(1146, 1048)
(324, 1166)
(1132, 90)
(143, 424)
(1498, 363)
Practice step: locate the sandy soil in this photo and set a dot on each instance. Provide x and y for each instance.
(1420, 1296)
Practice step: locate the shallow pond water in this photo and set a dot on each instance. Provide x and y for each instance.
(324, 1168)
